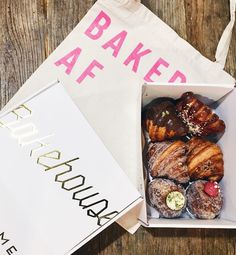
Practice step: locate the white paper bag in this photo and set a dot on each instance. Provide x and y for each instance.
(104, 60)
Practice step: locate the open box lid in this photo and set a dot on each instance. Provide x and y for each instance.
(60, 186)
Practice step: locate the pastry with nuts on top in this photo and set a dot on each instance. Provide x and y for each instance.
(161, 121)
(167, 197)
(200, 118)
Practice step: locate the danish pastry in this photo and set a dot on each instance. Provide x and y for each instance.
(161, 121)
(168, 159)
(204, 160)
(199, 118)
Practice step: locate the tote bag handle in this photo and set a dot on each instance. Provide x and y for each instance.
(224, 43)
(127, 3)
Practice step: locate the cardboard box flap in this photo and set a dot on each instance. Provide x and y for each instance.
(213, 92)
(60, 186)
(227, 142)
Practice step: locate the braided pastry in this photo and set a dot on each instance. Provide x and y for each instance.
(168, 159)
(205, 160)
(162, 122)
(200, 118)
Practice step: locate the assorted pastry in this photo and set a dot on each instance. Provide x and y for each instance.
(199, 118)
(162, 121)
(184, 165)
(167, 197)
(168, 159)
(204, 160)
(204, 199)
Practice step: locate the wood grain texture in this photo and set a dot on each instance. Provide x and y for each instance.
(31, 29)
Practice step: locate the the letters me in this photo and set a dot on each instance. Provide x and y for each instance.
(4, 242)
(24, 133)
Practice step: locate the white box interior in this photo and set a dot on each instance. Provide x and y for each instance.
(224, 100)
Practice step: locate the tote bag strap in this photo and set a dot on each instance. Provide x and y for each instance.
(224, 43)
(127, 3)
(130, 5)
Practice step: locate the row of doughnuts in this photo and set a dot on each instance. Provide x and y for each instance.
(202, 199)
(184, 166)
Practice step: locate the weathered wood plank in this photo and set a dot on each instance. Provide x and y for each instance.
(172, 12)
(32, 29)
(205, 22)
(62, 16)
(22, 43)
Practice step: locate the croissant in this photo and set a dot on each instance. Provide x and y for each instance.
(204, 160)
(200, 118)
(162, 122)
(168, 159)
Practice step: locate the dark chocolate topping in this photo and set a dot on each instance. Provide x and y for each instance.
(164, 114)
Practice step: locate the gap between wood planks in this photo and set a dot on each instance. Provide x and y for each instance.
(46, 40)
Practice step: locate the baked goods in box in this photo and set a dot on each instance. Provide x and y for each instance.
(205, 160)
(204, 199)
(177, 155)
(161, 121)
(199, 118)
(167, 197)
(168, 159)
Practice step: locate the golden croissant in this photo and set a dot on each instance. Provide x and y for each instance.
(204, 160)
(168, 159)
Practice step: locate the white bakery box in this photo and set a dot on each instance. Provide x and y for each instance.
(60, 186)
(222, 98)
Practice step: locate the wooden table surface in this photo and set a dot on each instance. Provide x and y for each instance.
(31, 29)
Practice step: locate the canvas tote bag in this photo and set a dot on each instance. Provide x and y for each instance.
(103, 62)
